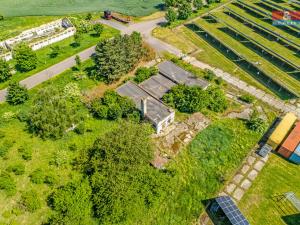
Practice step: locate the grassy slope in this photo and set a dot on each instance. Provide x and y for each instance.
(45, 61)
(55, 7)
(260, 205)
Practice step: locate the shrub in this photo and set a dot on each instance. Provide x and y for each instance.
(256, 123)
(143, 73)
(247, 98)
(7, 183)
(5, 73)
(16, 94)
(60, 158)
(37, 176)
(218, 101)
(100, 111)
(209, 75)
(71, 90)
(51, 179)
(5, 147)
(23, 116)
(98, 28)
(7, 116)
(73, 147)
(26, 153)
(25, 57)
(17, 168)
(31, 201)
(114, 112)
(80, 129)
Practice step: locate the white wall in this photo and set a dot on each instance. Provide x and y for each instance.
(7, 56)
(165, 123)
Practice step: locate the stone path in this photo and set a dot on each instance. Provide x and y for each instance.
(243, 179)
(259, 94)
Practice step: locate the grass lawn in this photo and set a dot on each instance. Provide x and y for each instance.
(55, 7)
(260, 205)
(53, 157)
(67, 50)
(203, 168)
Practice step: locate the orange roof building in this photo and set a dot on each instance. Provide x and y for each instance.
(291, 142)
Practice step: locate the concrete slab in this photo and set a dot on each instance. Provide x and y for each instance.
(238, 194)
(259, 165)
(230, 188)
(246, 184)
(252, 175)
(251, 160)
(245, 169)
(238, 178)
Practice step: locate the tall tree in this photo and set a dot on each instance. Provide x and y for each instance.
(5, 73)
(171, 15)
(52, 114)
(25, 57)
(16, 94)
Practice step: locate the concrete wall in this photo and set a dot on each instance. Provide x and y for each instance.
(165, 123)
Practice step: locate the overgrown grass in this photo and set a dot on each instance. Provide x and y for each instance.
(66, 50)
(261, 204)
(203, 168)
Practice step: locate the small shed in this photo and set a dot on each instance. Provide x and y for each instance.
(225, 211)
(282, 130)
(291, 142)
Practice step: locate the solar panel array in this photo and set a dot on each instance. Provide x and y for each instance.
(231, 211)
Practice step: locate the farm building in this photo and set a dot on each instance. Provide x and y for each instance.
(291, 142)
(180, 76)
(152, 109)
(147, 95)
(282, 130)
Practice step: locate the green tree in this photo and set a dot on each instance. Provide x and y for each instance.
(198, 4)
(25, 57)
(98, 28)
(143, 73)
(218, 101)
(16, 94)
(184, 11)
(88, 17)
(52, 114)
(116, 57)
(55, 50)
(78, 62)
(171, 15)
(77, 39)
(123, 183)
(5, 73)
(72, 204)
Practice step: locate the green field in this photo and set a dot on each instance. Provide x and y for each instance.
(55, 7)
(261, 204)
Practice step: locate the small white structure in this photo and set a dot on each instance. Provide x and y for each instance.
(39, 37)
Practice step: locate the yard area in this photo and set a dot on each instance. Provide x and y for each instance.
(50, 7)
(66, 50)
(261, 204)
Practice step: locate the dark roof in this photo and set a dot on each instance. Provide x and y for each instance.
(180, 76)
(231, 211)
(264, 151)
(156, 111)
(157, 85)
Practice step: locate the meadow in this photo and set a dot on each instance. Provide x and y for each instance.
(56, 7)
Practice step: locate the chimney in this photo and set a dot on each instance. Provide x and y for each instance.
(144, 106)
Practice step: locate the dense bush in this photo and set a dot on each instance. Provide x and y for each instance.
(51, 179)
(31, 201)
(72, 204)
(5, 147)
(116, 57)
(113, 106)
(25, 57)
(37, 176)
(143, 73)
(16, 94)
(5, 73)
(256, 123)
(17, 168)
(7, 184)
(52, 114)
(194, 99)
(247, 98)
(25, 152)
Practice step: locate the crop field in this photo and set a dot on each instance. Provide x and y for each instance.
(56, 7)
(242, 32)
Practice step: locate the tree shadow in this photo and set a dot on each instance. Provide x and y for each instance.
(292, 219)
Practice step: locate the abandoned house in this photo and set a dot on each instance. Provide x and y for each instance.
(147, 95)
